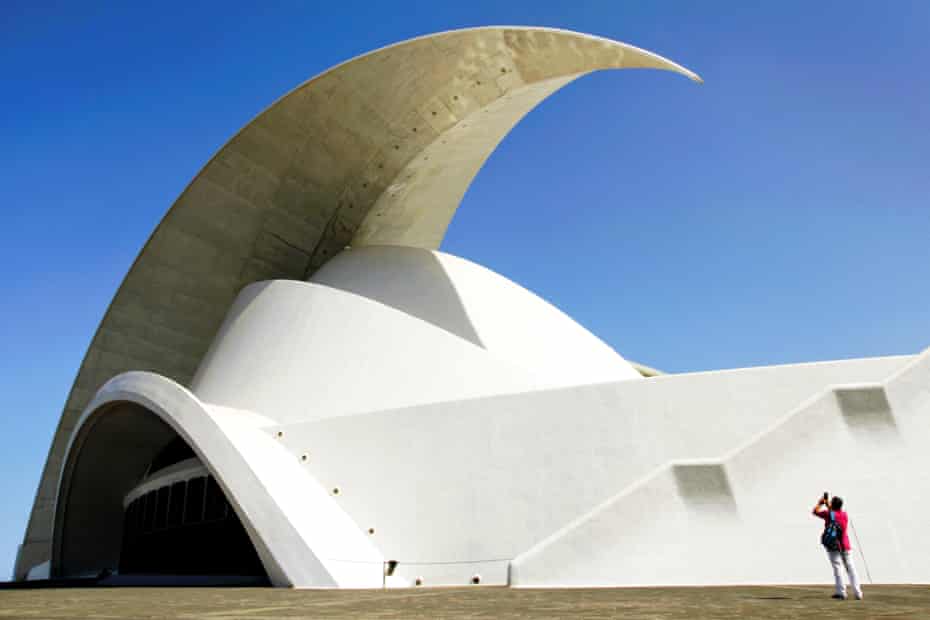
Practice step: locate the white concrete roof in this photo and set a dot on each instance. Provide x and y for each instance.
(377, 150)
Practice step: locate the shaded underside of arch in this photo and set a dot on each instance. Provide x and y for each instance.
(378, 150)
(133, 416)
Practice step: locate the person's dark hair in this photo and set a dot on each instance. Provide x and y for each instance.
(836, 503)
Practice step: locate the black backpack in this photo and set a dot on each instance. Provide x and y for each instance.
(832, 537)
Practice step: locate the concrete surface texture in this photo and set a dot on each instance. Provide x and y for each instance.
(293, 352)
(399, 327)
(378, 150)
(383, 415)
(865, 439)
(352, 423)
(785, 603)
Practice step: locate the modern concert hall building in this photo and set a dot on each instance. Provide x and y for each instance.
(293, 385)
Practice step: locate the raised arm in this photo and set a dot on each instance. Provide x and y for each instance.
(821, 510)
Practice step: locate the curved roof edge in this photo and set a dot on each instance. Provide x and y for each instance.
(379, 149)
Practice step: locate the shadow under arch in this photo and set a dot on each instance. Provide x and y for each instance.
(132, 417)
(173, 530)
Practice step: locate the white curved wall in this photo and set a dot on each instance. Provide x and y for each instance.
(512, 323)
(471, 428)
(388, 327)
(303, 537)
(452, 484)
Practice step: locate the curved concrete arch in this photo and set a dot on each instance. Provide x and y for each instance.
(378, 150)
(261, 480)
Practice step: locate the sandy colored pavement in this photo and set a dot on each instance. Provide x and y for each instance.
(265, 603)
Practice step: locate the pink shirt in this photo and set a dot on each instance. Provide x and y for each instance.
(841, 517)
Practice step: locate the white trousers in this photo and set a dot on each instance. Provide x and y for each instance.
(839, 560)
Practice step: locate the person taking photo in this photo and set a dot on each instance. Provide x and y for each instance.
(836, 541)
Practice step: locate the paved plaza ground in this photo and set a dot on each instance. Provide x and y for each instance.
(794, 602)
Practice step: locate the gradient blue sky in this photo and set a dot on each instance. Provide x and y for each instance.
(778, 213)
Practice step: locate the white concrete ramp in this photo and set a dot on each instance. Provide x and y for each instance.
(744, 518)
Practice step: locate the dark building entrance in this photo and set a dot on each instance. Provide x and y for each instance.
(177, 521)
(187, 528)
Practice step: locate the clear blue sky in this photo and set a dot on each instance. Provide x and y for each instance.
(779, 213)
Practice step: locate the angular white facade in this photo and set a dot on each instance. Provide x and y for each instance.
(387, 415)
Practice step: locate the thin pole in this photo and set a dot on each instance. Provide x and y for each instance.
(861, 551)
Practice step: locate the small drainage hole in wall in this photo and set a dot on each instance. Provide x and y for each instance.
(418, 581)
(336, 491)
(476, 579)
(304, 457)
(280, 434)
(371, 531)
